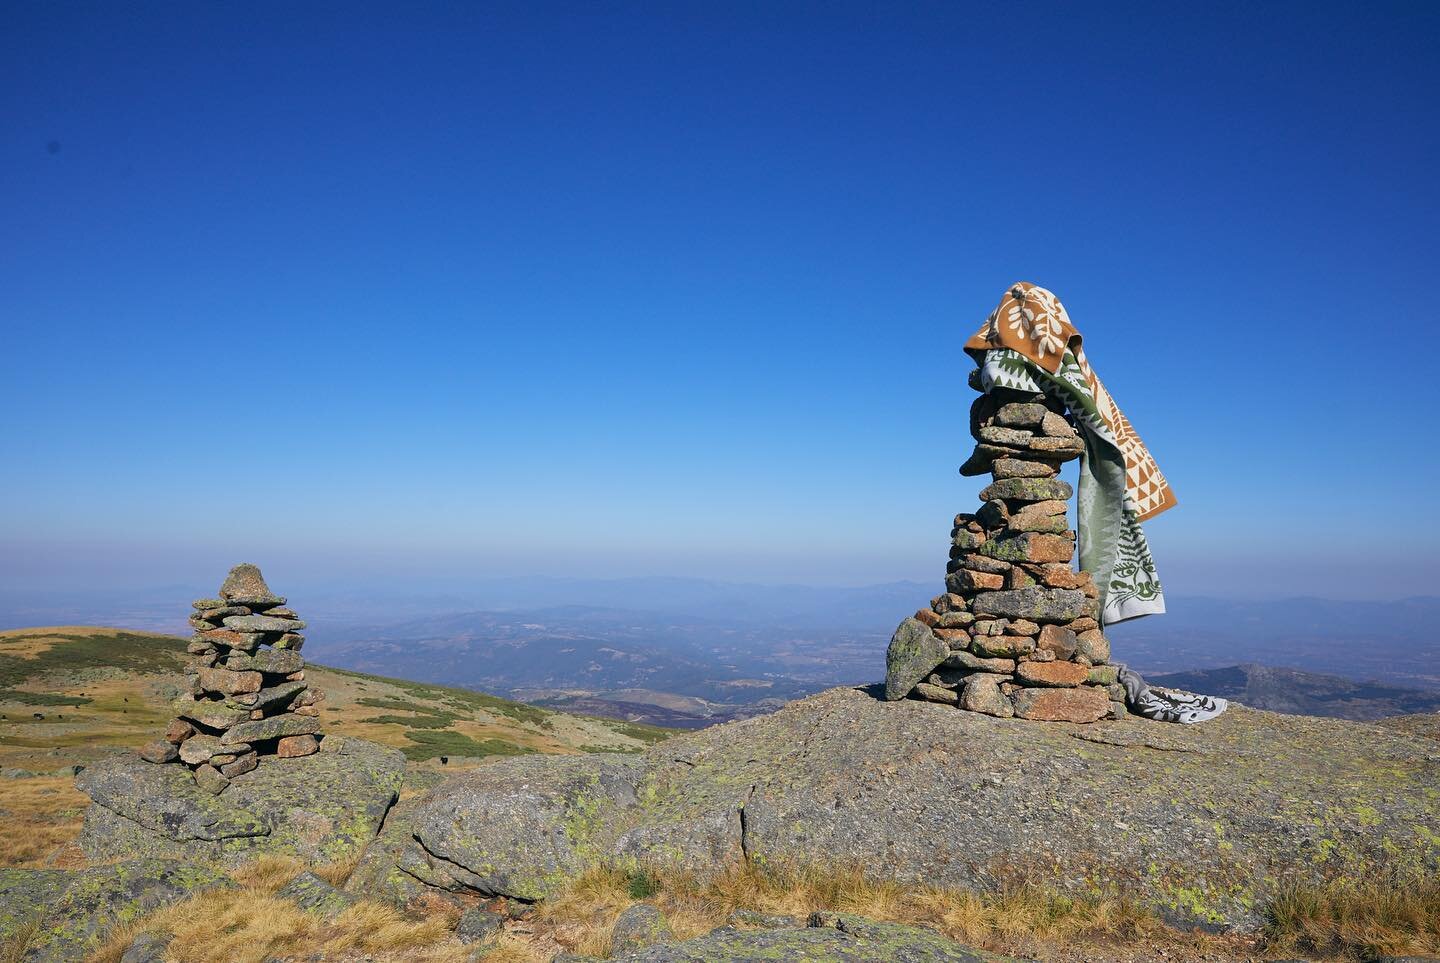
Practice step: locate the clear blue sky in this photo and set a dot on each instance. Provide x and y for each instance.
(396, 290)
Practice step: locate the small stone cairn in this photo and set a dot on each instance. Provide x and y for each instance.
(1017, 631)
(248, 695)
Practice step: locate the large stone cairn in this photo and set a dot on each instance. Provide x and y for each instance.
(1016, 632)
(247, 695)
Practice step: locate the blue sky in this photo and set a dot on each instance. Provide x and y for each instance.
(393, 291)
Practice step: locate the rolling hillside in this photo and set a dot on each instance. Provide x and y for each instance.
(71, 695)
(75, 689)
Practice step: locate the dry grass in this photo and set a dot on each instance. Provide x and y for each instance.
(41, 815)
(249, 924)
(1358, 920)
(582, 917)
(12, 949)
(517, 948)
(268, 873)
(1347, 921)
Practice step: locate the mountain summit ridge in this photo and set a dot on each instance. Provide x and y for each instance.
(1203, 823)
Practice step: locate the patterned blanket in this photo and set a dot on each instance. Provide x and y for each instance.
(1167, 705)
(1028, 343)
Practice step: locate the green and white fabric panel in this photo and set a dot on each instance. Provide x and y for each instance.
(1112, 543)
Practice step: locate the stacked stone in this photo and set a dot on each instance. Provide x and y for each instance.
(1017, 631)
(248, 695)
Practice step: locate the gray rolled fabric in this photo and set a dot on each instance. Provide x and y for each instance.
(1185, 708)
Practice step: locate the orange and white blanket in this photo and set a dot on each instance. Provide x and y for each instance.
(1030, 344)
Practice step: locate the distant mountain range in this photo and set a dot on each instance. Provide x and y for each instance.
(691, 652)
(1302, 693)
(1396, 642)
(646, 666)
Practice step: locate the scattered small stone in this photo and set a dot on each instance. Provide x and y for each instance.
(178, 731)
(146, 948)
(315, 895)
(208, 778)
(198, 749)
(982, 694)
(1059, 640)
(1093, 646)
(478, 924)
(956, 620)
(949, 603)
(1019, 414)
(1102, 675)
(241, 765)
(954, 638)
(934, 693)
(640, 925)
(291, 747)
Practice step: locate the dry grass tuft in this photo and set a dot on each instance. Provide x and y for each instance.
(583, 916)
(42, 814)
(1357, 920)
(337, 874)
(12, 949)
(249, 924)
(268, 873)
(510, 948)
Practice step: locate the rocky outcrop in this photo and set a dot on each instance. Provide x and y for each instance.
(74, 910)
(1201, 822)
(324, 806)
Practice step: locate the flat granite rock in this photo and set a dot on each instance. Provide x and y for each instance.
(262, 623)
(1202, 822)
(79, 907)
(315, 895)
(518, 827)
(830, 938)
(25, 895)
(324, 806)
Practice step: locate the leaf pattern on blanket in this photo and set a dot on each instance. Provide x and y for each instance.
(1112, 543)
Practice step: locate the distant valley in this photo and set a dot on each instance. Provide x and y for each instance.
(689, 653)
